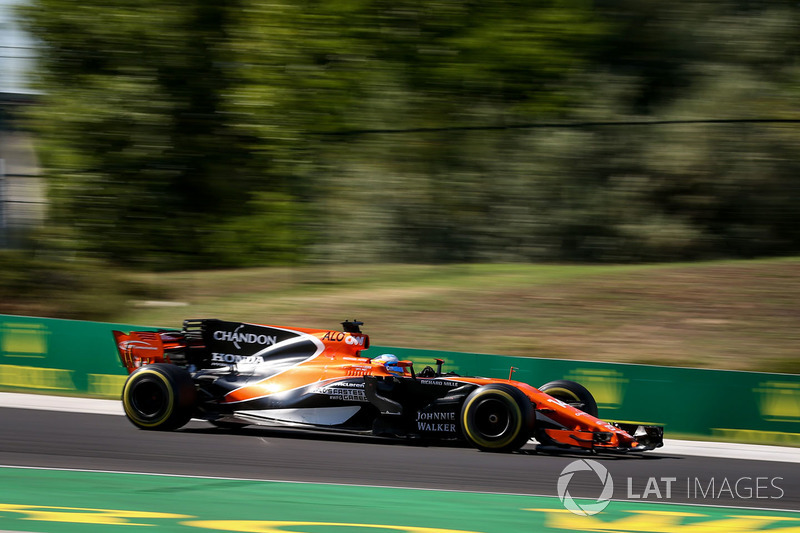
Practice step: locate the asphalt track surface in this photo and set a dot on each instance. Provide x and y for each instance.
(35, 438)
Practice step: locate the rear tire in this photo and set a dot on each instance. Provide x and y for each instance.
(159, 397)
(497, 418)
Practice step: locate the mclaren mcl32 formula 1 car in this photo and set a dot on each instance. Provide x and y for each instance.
(234, 374)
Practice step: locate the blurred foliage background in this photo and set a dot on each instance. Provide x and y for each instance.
(243, 133)
(316, 134)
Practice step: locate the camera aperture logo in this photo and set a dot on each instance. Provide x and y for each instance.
(711, 490)
(585, 509)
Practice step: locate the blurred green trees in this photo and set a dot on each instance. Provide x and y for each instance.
(216, 133)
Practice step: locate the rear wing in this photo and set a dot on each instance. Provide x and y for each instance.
(139, 348)
(209, 343)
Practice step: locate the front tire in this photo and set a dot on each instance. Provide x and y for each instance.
(569, 392)
(159, 397)
(572, 393)
(497, 418)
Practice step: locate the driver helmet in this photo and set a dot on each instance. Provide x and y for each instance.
(389, 362)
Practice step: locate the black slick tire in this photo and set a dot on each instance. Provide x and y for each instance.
(497, 418)
(572, 393)
(569, 392)
(159, 397)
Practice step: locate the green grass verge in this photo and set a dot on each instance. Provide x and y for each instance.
(728, 314)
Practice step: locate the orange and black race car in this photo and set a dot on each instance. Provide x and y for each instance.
(234, 374)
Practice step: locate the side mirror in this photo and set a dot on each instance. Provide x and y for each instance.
(407, 365)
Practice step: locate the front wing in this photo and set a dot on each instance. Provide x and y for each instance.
(646, 437)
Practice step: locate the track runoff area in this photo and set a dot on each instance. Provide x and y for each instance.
(77, 465)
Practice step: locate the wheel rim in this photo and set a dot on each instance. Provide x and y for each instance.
(149, 399)
(492, 418)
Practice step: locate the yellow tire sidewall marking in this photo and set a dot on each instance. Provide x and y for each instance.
(479, 440)
(170, 399)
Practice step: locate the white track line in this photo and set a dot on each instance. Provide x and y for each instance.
(61, 403)
(731, 450)
(725, 450)
(424, 489)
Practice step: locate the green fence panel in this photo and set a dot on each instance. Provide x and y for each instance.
(688, 402)
(57, 356)
(72, 357)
